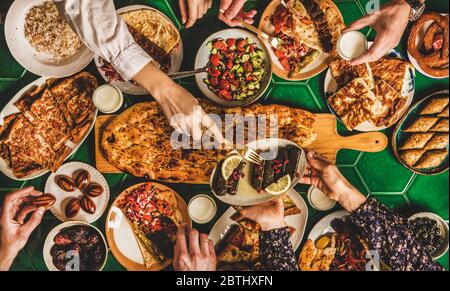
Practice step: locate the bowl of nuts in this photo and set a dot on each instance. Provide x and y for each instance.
(81, 193)
(75, 246)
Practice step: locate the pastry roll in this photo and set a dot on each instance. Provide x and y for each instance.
(422, 124)
(438, 142)
(435, 106)
(431, 159)
(410, 157)
(444, 113)
(441, 126)
(417, 141)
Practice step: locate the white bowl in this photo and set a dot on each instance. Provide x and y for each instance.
(202, 60)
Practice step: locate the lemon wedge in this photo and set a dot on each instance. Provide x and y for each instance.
(280, 187)
(229, 165)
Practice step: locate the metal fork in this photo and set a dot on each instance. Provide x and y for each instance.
(252, 156)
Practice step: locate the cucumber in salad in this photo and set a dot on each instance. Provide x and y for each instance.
(236, 68)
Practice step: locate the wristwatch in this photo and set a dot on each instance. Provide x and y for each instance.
(417, 9)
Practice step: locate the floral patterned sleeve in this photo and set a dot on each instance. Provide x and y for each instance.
(276, 251)
(387, 232)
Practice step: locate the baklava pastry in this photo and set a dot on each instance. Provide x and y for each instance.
(410, 157)
(444, 113)
(422, 124)
(431, 159)
(438, 142)
(441, 126)
(435, 106)
(417, 141)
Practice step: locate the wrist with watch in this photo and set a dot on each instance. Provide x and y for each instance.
(417, 8)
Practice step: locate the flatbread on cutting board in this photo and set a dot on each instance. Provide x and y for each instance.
(138, 141)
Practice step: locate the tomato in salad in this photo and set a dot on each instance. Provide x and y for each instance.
(236, 68)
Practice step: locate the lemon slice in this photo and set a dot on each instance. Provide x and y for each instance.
(229, 165)
(280, 187)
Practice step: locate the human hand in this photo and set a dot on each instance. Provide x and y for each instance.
(232, 12)
(269, 215)
(324, 175)
(389, 23)
(186, 115)
(14, 232)
(197, 254)
(192, 10)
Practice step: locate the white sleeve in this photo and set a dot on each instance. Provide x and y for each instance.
(105, 33)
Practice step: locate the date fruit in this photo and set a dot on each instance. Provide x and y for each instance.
(82, 178)
(88, 205)
(66, 183)
(93, 190)
(47, 201)
(73, 207)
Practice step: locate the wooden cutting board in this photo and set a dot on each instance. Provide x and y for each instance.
(328, 142)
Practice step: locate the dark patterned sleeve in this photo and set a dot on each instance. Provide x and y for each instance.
(388, 233)
(276, 251)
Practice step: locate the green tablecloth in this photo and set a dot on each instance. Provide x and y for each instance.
(376, 174)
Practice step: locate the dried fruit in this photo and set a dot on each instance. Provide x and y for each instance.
(93, 190)
(73, 207)
(66, 183)
(82, 178)
(46, 201)
(88, 205)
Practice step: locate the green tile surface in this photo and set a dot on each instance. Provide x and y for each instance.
(376, 174)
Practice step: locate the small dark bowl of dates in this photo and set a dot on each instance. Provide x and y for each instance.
(75, 246)
(431, 231)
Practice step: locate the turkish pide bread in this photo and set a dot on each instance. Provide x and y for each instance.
(154, 26)
(355, 103)
(385, 79)
(393, 71)
(343, 72)
(51, 116)
(138, 141)
(391, 104)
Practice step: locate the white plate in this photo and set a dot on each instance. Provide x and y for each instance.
(176, 56)
(311, 70)
(297, 221)
(246, 194)
(48, 244)
(202, 60)
(11, 109)
(63, 197)
(36, 62)
(330, 87)
(419, 41)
